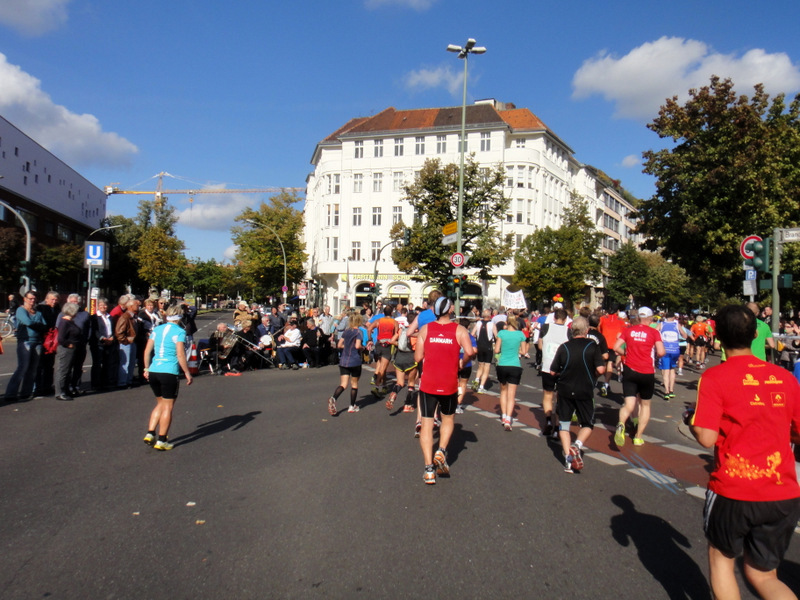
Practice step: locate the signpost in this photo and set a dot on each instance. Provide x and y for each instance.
(451, 238)
(450, 228)
(457, 260)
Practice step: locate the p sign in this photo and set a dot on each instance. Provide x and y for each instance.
(96, 254)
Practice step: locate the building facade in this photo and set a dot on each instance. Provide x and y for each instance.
(58, 204)
(355, 193)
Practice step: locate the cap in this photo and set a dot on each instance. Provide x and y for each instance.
(558, 305)
(645, 312)
(441, 306)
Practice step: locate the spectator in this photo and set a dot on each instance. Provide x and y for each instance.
(30, 335)
(289, 346)
(69, 338)
(103, 347)
(44, 376)
(125, 333)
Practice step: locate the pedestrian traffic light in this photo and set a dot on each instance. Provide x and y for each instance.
(406, 237)
(24, 267)
(377, 289)
(371, 288)
(760, 251)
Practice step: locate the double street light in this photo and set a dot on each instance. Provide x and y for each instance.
(463, 52)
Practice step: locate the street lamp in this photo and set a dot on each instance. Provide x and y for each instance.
(90, 278)
(285, 287)
(26, 279)
(463, 52)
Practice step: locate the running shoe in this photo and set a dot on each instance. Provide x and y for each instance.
(440, 460)
(409, 408)
(554, 435)
(376, 391)
(481, 390)
(603, 390)
(372, 381)
(568, 464)
(507, 423)
(577, 459)
(163, 445)
(390, 401)
(149, 439)
(429, 477)
(436, 423)
(638, 441)
(680, 371)
(417, 429)
(548, 429)
(332, 405)
(475, 385)
(459, 410)
(619, 435)
(353, 408)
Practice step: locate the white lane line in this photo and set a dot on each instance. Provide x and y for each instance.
(699, 492)
(605, 458)
(687, 449)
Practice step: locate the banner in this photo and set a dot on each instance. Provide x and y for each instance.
(514, 300)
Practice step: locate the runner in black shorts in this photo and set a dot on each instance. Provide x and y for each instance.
(635, 383)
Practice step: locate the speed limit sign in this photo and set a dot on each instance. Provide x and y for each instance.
(457, 259)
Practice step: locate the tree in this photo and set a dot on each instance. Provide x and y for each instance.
(59, 267)
(627, 274)
(434, 197)
(12, 252)
(552, 261)
(649, 278)
(259, 256)
(734, 170)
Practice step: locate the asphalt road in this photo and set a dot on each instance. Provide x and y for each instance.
(267, 496)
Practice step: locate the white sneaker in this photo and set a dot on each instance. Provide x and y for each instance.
(680, 371)
(459, 410)
(481, 390)
(354, 408)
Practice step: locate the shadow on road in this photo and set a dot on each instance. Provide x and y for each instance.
(658, 545)
(458, 442)
(232, 422)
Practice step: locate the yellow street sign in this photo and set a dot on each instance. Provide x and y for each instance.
(450, 228)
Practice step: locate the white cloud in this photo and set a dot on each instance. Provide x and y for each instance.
(639, 82)
(419, 5)
(33, 17)
(443, 76)
(214, 212)
(78, 140)
(230, 252)
(632, 160)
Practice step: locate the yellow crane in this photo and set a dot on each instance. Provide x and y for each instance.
(161, 193)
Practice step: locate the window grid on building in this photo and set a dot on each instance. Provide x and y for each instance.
(357, 216)
(376, 216)
(419, 145)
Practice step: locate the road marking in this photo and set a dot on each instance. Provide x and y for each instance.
(605, 458)
(687, 449)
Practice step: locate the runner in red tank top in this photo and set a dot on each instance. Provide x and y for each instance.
(439, 345)
(386, 327)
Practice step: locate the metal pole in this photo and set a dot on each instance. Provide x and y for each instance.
(26, 278)
(282, 251)
(777, 247)
(461, 178)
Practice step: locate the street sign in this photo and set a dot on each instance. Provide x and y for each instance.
(749, 287)
(284, 289)
(750, 275)
(748, 253)
(450, 239)
(95, 253)
(457, 259)
(450, 228)
(791, 235)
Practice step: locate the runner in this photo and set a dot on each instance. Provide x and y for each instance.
(509, 345)
(164, 359)
(611, 326)
(671, 334)
(639, 377)
(594, 334)
(350, 344)
(553, 335)
(404, 366)
(438, 345)
(483, 332)
(386, 328)
(763, 335)
(465, 371)
(747, 410)
(576, 364)
(702, 334)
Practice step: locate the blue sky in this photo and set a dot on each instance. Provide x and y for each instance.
(237, 94)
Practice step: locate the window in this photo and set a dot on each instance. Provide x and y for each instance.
(520, 176)
(376, 248)
(358, 183)
(376, 215)
(377, 182)
(520, 142)
(509, 176)
(378, 148)
(465, 149)
(486, 141)
(355, 254)
(334, 248)
(357, 217)
(518, 241)
(359, 152)
(333, 215)
(397, 181)
(398, 146)
(337, 183)
(397, 214)
(419, 145)
(441, 144)
(64, 234)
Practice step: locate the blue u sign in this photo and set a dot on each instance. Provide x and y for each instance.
(95, 254)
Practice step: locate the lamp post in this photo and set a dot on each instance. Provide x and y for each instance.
(285, 287)
(26, 279)
(90, 276)
(463, 52)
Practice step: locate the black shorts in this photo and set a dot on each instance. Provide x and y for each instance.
(549, 382)
(164, 385)
(465, 372)
(485, 355)
(428, 403)
(760, 530)
(354, 372)
(584, 408)
(700, 341)
(382, 352)
(511, 375)
(635, 383)
(404, 361)
(612, 356)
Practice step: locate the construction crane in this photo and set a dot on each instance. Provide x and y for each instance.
(160, 193)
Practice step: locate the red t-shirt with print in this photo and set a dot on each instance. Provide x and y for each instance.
(753, 404)
(639, 343)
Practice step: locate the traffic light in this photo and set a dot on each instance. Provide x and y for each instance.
(377, 289)
(760, 251)
(24, 267)
(406, 237)
(456, 283)
(371, 288)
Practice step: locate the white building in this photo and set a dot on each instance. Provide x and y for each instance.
(355, 193)
(58, 203)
